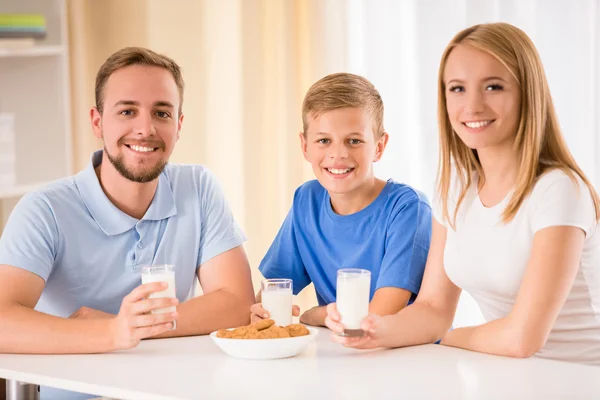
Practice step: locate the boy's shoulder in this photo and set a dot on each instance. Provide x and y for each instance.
(401, 193)
(309, 190)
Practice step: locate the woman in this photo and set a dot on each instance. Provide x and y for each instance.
(515, 217)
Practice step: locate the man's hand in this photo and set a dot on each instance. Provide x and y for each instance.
(90, 313)
(258, 313)
(315, 316)
(135, 322)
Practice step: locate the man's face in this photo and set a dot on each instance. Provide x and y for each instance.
(140, 122)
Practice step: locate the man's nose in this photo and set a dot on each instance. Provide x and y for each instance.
(145, 125)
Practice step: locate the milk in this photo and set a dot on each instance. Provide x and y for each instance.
(278, 302)
(353, 289)
(158, 274)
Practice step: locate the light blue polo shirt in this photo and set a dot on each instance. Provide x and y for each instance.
(90, 253)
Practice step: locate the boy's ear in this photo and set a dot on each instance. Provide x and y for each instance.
(380, 148)
(303, 145)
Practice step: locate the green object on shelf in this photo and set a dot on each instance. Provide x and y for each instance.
(23, 20)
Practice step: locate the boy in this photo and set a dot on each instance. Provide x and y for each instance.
(348, 218)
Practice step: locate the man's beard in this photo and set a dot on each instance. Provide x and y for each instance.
(143, 176)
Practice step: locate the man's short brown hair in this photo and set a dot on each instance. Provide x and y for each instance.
(343, 90)
(135, 56)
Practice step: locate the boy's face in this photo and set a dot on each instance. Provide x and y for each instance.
(140, 122)
(340, 146)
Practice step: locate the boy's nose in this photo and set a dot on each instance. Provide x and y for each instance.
(338, 152)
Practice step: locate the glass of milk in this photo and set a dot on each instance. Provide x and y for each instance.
(352, 299)
(276, 295)
(161, 273)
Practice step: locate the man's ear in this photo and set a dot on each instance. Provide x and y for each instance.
(96, 121)
(380, 147)
(303, 145)
(179, 125)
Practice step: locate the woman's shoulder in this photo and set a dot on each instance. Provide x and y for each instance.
(557, 180)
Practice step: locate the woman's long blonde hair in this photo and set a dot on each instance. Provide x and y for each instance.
(539, 140)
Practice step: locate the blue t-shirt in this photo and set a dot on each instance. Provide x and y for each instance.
(90, 253)
(390, 237)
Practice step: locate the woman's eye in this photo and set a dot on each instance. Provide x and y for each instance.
(494, 87)
(323, 141)
(456, 89)
(355, 141)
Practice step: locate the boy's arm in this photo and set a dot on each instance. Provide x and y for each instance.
(403, 264)
(389, 300)
(283, 260)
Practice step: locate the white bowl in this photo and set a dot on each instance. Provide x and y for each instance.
(265, 349)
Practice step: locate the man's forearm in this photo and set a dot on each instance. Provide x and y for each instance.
(210, 312)
(24, 330)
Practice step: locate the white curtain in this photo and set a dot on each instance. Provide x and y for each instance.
(398, 44)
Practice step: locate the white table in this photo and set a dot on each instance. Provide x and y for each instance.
(194, 368)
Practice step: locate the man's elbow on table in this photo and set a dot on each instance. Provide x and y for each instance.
(239, 309)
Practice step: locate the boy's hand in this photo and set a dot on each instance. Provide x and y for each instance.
(258, 313)
(315, 316)
(134, 321)
(375, 328)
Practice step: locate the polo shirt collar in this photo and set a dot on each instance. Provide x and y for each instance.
(108, 217)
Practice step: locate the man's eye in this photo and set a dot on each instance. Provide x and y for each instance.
(126, 112)
(163, 114)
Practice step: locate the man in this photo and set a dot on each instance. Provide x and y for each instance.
(71, 253)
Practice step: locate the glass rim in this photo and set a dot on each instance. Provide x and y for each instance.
(353, 271)
(154, 268)
(278, 280)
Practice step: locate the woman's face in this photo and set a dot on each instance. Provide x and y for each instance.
(483, 99)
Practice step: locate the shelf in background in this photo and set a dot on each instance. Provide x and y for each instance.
(20, 190)
(34, 51)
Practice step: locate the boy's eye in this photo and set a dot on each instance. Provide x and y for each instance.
(323, 141)
(456, 89)
(354, 141)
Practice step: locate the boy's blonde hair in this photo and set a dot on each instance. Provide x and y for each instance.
(135, 56)
(343, 90)
(538, 140)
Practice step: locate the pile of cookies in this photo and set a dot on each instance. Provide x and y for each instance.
(265, 329)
